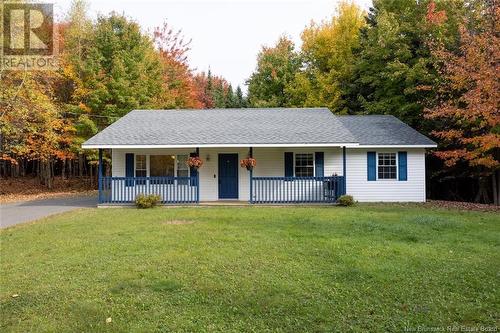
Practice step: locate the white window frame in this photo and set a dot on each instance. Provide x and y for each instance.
(148, 163)
(176, 169)
(314, 163)
(397, 167)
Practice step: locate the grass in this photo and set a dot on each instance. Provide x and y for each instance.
(375, 268)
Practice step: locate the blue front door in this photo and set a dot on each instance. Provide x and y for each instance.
(228, 176)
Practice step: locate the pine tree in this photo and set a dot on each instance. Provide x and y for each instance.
(230, 97)
(240, 101)
(209, 87)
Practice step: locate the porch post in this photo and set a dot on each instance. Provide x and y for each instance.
(251, 176)
(99, 175)
(197, 178)
(344, 186)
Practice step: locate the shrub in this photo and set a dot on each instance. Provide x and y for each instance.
(345, 200)
(147, 201)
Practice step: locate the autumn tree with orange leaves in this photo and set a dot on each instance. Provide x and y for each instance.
(179, 88)
(468, 100)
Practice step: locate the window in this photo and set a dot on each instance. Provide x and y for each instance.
(140, 168)
(182, 168)
(161, 165)
(304, 165)
(387, 166)
(168, 166)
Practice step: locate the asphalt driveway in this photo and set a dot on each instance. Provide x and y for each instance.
(26, 211)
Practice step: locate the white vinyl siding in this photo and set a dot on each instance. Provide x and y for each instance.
(412, 190)
(270, 163)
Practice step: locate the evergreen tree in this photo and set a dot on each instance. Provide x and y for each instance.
(230, 97)
(219, 95)
(240, 101)
(394, 61)
(209, 88)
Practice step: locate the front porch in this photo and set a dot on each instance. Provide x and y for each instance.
(186, 190)
(221, 178)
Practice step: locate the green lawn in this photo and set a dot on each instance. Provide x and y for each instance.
(367, 268)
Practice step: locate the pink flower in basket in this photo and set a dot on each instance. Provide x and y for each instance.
(248, 163)
(194, 162)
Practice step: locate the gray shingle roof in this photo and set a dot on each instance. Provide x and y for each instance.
(253, 126)
(382, 130)
(224, 126)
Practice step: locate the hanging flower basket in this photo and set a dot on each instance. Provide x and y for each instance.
(194, 162)
(248, 163)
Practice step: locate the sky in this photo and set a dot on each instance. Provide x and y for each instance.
(226, 35)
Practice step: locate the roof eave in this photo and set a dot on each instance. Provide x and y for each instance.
(398, 146)
(219, 145)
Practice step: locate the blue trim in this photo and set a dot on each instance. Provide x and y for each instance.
(297, 189)
(251, 186)
(197, 187)
(319, 163)
(402, 166)
(193, 172)
(172, 190)
(228, 176)
(129, 168)
(371, 157)
(288, 164)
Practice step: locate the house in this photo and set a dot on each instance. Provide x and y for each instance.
(302, 155)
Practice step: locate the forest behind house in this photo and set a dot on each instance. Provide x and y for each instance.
(433, 64)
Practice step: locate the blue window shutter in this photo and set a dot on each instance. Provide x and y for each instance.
(129, 169)
(402, 166)
(193, 173)
(288, 164)
(372, 165)
(320, 164)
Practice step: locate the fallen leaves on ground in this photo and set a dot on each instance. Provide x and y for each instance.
(463, 205)
(28, 188)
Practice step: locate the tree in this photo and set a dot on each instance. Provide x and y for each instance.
(230, 97)
(31, 122)
(327, 50)
(76, 41)
(179, 90)
(394, 60)
(240, 101)
(219, 95)
(122, 70)
(468, 98)
(276, 70)
(212, 91)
